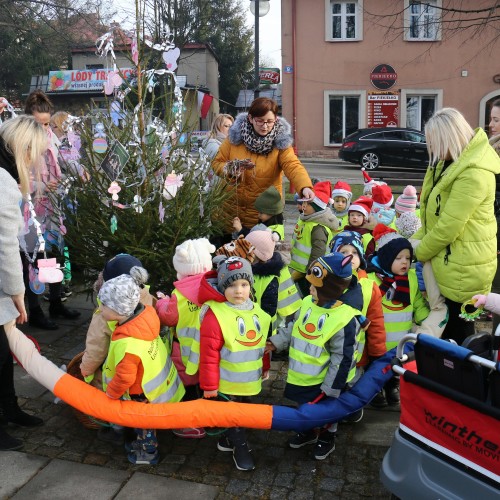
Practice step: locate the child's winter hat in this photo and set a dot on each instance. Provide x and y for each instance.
(263, 242)
(407, 202)
(382, 196)
(118, 265)
(122, 294)
(408, 224)
(232, 269)
(330, 275)
(269, 202)
(368, 182)
(237, 248)
(193, 257)
(349, 238)
(389, 244)
(343, 189)
(363, 205)
(322, 195)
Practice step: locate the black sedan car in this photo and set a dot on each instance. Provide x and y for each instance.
(372, 147)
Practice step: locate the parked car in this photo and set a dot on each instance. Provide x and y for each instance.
(372, 147)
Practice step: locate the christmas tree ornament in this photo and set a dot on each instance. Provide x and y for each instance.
(113, 224)
(100, 144)
(113, 190)
(171, 185)
(170, 58)
(113, 81)
(161, 212)
(137, 204)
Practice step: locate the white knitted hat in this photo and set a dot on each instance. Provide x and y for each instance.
(193, 257)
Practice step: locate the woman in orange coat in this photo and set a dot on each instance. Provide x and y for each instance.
(255, 155)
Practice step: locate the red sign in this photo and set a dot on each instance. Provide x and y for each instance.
(383, 77)
(269, 75)
(383, 109)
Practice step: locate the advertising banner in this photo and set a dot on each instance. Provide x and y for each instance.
(78, 80)
(458, 431)
(269, 76)
(383, 109)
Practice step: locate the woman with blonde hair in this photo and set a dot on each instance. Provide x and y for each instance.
(458, 233)
(219, 131)
(22, 143)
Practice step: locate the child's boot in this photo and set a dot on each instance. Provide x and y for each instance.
(379, 401)
(392, 391)
(303, 438)
(241, 453)
(324, 446)
(10, 412)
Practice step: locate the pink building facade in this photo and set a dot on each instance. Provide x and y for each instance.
(344, 68)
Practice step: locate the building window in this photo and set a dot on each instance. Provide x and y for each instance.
(422, 20)
(344, 20)
(343, 114)
(419, 108)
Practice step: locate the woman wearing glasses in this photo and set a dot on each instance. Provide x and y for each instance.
(254, 157)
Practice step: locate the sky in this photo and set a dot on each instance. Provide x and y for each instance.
(269, 27)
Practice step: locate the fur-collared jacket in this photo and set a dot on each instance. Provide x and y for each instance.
(268, 170)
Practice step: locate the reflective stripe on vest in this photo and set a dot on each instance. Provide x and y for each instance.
(398, 322)
(366, 289)
(245, 334)
(302, 243)
(289, 300)
(260, 284)
(160, 381)
(188, 332)
(308, 358)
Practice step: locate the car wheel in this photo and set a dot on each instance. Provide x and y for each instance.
(370, 161)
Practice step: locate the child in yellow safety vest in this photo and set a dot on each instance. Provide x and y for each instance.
(275, 291)
(138, 366)
(270, 206)
(342, 196)
(359, 213)
(402, 301)
(323, 343)
(181, 312)
(233, 338)
(312, 234)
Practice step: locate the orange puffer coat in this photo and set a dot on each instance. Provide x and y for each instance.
(268, 171)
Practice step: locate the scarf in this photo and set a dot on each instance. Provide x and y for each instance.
(7, 161)
(396, 288)
(256, 143)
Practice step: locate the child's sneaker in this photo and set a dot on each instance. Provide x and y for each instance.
(149, 444)
(302, 439)
(190, 432)
(243, 458)
(142, 457)
(224, 444)
(324, 446)
(353, 418)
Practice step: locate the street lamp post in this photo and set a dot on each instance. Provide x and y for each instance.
(259, 8)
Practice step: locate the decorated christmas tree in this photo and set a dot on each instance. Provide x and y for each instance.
(133, 185)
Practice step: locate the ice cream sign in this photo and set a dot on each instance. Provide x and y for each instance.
(81, 79)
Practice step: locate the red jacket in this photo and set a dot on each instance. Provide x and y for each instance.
(129, 371)
(375, 333)
(211, 343)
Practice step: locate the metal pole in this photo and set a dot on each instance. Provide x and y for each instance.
(256, 69)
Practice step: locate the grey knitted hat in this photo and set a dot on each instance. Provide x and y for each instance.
(122, 294)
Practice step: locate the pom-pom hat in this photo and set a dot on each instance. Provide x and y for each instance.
(118, 265)
(407, 202)
(363, 205)
(343, 189)
(193, 257)
(408, 224)
(233, 269)
(269, 202)
(382, 196)
(389, 244)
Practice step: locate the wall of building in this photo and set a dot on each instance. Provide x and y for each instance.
(345, 66)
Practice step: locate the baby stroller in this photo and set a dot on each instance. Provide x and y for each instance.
(447, 444)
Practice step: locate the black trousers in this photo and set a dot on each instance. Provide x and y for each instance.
(457, 328)
(6, 368)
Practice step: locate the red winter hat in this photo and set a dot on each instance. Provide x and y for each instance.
(382, 234)
(363, 205)
(382, 196)
(343, 189)
(322, 194)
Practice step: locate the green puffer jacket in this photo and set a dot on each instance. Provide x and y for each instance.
(458, 233)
